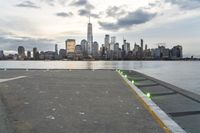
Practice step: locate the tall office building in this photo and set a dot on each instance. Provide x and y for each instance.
(95, 49)
(126, 47)
(21, 52)
(35, 54)
(56, 49)
(28, 54)
(142, 43)
(70, 45)
(116, 51)
(78, 52)
(107, 42)
(89, 38)
(142, 49)
(70, 48)
(84, 47)
(113, 41)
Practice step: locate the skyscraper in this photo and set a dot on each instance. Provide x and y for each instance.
(70, 48)
(89, 38)
(21, 52)
(107, 42)
(35, 54)
(56, 49)
(142, 49)
(142, 43)
(95, 49)
(84, 47)
(113, 41)
(29, 55)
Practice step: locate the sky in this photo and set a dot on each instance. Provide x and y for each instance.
(42, 23)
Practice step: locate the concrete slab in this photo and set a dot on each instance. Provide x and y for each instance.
(179, 104)
(156, 89)
(74, 101)
(144, 83)
(190, 123)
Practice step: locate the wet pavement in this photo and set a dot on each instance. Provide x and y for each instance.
(77, 101)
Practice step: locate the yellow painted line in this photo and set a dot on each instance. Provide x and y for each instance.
(148, 108)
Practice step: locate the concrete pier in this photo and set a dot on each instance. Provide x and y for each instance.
(181, 105)
(77, 101)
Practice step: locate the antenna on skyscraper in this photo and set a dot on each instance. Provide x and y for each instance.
(89, 18)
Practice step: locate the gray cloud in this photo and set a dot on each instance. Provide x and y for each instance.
(64, 14)
(87, 13)
(27, 4)
(185, 4)
(115, 11)
(133, 18)
(82, 3)
(55, 2)
(11, 42)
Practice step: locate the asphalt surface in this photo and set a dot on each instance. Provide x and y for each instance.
(78, 101)
(181, 105)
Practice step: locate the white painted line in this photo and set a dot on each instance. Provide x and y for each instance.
(9, 79)
(167, 121)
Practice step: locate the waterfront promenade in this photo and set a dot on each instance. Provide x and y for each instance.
(77, 101)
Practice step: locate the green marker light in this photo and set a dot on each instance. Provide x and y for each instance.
(148, 95)
(133, 82)
(125, 76)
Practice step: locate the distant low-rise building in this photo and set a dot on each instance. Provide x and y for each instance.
(42, 55)
(49, 55)
(177, 52)
(62, 53)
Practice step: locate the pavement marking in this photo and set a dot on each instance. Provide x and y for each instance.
(9, 79)
(168, 125)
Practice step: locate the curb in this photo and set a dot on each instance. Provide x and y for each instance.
(165, 122)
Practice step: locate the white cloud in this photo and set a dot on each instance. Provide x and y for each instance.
(39, 18)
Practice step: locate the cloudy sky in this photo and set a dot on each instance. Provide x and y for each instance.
(42, 23)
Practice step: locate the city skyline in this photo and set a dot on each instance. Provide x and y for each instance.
(43, 23)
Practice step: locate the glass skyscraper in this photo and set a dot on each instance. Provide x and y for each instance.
(89, 38)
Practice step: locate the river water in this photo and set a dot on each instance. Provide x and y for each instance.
(184, 74)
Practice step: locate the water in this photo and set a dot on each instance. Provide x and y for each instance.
(184, 74)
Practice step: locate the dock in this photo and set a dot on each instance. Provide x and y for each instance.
(89, 101)
(72, 101)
